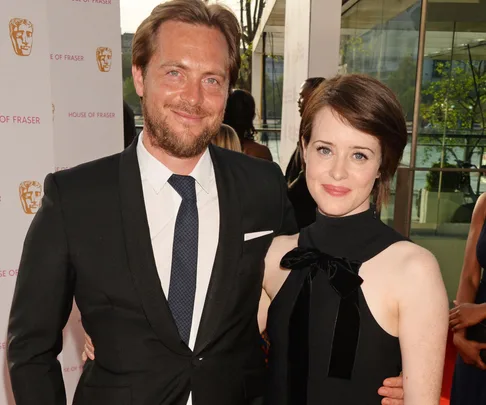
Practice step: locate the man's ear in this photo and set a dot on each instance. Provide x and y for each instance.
(138, 79)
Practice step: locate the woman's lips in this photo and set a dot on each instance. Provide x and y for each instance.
(336, 191)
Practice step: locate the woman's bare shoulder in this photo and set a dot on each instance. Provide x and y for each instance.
(283, 244)
(411, 264)
(407, 250)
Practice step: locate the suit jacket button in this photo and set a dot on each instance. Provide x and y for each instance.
(197, 361)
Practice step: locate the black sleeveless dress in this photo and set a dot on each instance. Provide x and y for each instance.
(469, 382)
(325, 346)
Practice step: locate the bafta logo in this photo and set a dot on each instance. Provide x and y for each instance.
(21, 35)
(103, 57)
(30, 196)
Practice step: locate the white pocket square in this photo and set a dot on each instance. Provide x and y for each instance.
(254, 235)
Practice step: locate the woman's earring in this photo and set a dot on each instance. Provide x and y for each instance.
(375, 211)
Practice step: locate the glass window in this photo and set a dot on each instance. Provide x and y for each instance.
(380, 38)
(451, 134)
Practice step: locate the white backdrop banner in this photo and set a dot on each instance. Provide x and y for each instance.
(85, 55)
(60, 105)
(26, 154)
(85, 58)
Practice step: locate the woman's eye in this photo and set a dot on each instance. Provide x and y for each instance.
(360, 156)
(323, 150)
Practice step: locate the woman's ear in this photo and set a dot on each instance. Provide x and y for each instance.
(304, 150)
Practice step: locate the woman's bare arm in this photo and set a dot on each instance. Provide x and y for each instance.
(422, 326)
(471, 270)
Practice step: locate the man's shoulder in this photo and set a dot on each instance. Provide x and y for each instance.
(247, 164)
(100, 171)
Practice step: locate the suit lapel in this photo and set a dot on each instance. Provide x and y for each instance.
(140, 254)
(227, 253)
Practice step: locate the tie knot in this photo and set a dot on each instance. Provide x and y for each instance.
(184, 185)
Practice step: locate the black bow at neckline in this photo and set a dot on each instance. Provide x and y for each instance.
(342, 273)
(344, 278)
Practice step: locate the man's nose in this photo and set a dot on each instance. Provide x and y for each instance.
(193, 92)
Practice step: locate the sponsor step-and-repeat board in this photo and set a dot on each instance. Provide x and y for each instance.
(62, 106)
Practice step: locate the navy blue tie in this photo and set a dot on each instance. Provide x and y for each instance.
(182, 289)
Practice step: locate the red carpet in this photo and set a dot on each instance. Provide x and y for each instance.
(450, 361)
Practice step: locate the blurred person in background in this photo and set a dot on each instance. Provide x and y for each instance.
(227, 138)
(239, 115)
(294, 167)
(467, 318)
(303, 203)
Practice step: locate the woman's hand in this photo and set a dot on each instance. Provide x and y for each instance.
(469, 350)
(89, 350)
(465, 315)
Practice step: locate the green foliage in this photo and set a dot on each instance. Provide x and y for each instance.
(250, 17)
(131, 96)
(126, 65)
(352, 51)
(451, 105)
(244, 78)
(451, 102)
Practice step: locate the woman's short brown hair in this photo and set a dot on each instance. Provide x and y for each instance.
(369, 106)
(194, 12)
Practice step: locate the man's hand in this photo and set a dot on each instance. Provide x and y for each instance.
(469, 350)
(465, 315)
(392, 390)
(89, 349)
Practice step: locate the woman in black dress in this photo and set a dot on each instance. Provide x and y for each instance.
(469, 383)
(360, 302)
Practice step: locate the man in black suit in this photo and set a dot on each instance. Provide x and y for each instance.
(162, 246)
(170, 301)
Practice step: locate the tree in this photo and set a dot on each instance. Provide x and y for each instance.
(250, 17)
(456, 102)
(453, 108)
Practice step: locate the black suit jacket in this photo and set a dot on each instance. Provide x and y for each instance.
(91, 240)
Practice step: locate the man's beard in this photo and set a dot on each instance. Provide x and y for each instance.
(182, 144)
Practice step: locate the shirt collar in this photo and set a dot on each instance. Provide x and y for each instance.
(157, 174)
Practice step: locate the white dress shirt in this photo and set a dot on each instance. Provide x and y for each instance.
(162, 204)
